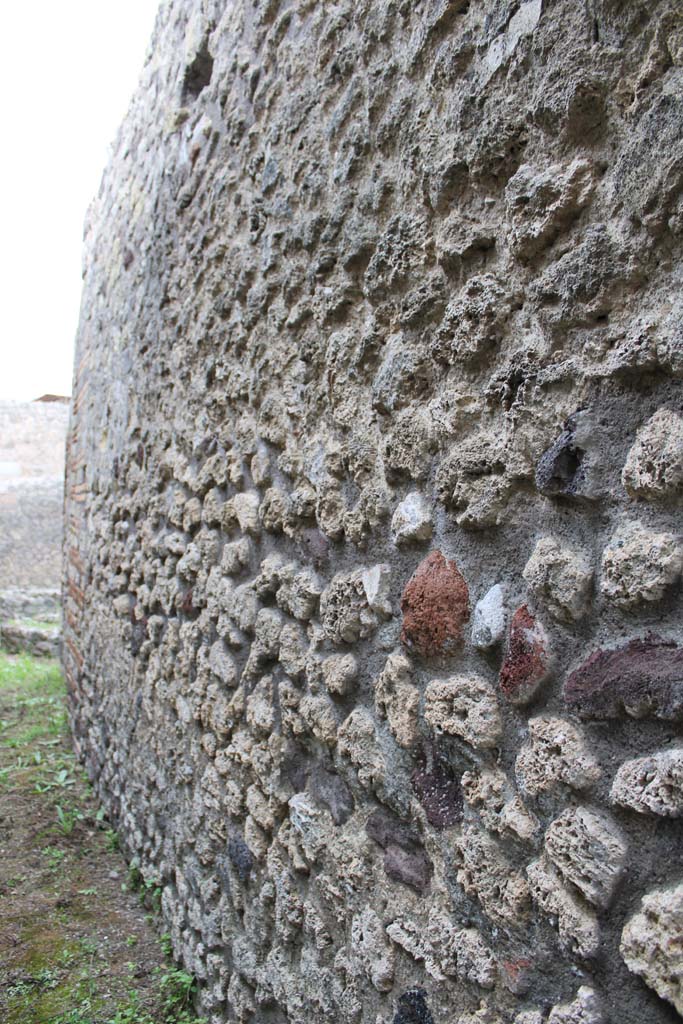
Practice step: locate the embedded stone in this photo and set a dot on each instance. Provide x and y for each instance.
(589, 850)
(412, 520)
(641, 678)
(654, 466)
(639, 565)
(527, 661)
(330, 790)
(584, 1009)
(464, 706)
(560, 578)
(445, 950)
(412, 1008)
(564, 469)
(487, 875)
(555, 754)
(435, 606)
(576, 922)
(651, 943)
(651, 785)
(501, 810)
(398, 700)
(438, 791)
(376, 583)
(488, 620)
(340, 672)
(405, 859)
(372, 948)
(344, 610)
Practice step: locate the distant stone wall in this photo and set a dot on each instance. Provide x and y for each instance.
(375, 473)
(32, 448)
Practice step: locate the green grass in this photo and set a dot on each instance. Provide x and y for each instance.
(44, 625)
(64, 976)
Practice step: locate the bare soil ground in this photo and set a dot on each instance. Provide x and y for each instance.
(78, 942)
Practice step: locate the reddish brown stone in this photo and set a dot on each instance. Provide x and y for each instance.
(435, 606)
(527, 660)
(641, 678)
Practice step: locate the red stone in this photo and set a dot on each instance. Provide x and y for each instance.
(641, 678)
(435, 606)
(527, 660)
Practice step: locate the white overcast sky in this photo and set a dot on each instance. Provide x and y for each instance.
(67, 73)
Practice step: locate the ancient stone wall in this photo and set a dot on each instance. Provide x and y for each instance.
(32, 440)
(375, 472)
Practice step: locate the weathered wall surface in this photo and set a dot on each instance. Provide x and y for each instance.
(375, 477)
(32, 440)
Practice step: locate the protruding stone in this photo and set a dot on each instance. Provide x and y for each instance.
(639, 565)
(589, 850)
(565, 469)
(340, 672)
(397, 699)
(373, 949)
(651, 943)
(654, 465)
(560, 578)
(412, 520)
(584, 1009)
(377, 583)
(344, 610)
(651, 785)
(577, 923)
(488, 620)
(555, 754)
(464, 706)
(641, 678)
(487, 875)
(527, 660)
(435, 606)
(500, 808)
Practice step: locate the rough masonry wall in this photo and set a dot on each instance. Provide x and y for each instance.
(375, 473)
(32, 439)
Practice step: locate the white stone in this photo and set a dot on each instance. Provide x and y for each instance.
(377, 583)
(412, 520)
(489, 618)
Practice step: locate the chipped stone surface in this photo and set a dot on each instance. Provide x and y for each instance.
(435, 606)
(654, 466)
(464, 706)
(651, 943)
(556, 753)
(589, 850)
(651, 785)
(527, 660)
(639, 565)
(560, 579)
